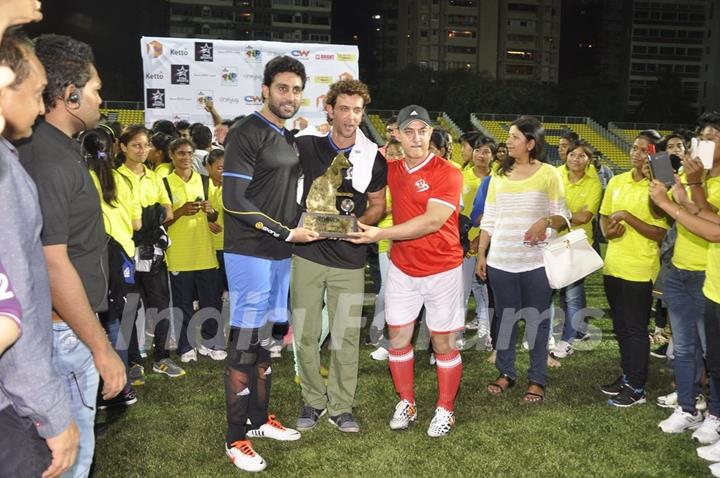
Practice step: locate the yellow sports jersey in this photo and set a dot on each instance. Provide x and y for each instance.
(387, 221)
(164, 169)
(118, 217)
(632, 256)
(471, 183)
(589, 171)
(191, 247)
(691, 251)
(215, 193)
(584, 195)
(711, 289)
(149, 184)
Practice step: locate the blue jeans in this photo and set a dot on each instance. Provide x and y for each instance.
(74, 363)
(572, 302)
(479, 290)
(684, 299)
(528, 292)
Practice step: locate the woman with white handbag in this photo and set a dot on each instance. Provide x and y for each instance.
(524, 199)
(583, 192)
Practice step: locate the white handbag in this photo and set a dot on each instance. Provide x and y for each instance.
(569, 258)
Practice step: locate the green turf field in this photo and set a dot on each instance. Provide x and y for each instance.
(177, 428)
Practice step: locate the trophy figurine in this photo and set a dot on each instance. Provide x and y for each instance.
(322, 215)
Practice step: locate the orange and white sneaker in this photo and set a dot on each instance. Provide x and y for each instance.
(244, 457)
(274, 429)
(405, 414)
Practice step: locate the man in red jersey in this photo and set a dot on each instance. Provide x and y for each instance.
(426, 268)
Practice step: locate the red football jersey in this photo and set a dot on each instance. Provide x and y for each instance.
(435, 179)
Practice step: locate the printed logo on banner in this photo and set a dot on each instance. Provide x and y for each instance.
(203, 51)
(253, 55)
(301, 54)
(346, 57)
(253, 100)
(320, 102)
(155, 97)
(323, 80)
(229, 76)
(228, 99)
(154, 49)
(249, 76)
(179, 52)
(202, 96)
(180, 74)
(155, 75)
(325, 56)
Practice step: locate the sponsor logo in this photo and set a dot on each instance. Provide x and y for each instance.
(177, 99)
(421, 185)
(154, 49)
(323, 80)
(156, 75)
(202, 96)
(179, 52)
(301, 54)
(155, 97)
(203, 51)
(253, 56)
(227, 99)
(180, 74)
(346, 57)
(229, 76)
(249, 76)
(253, 100)
(324, 56)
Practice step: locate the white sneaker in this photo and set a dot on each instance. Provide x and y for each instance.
(189, 356)
(700, 403)
(405, 413)
(274, 429)
(276, 351)
(710, 452)
(442, 423)
(460, 343)
(473, 324)
(380, 354)
(551, 342)
(681, 421)
(667, 401)
(562, 350)
(432, 360)
(244, 457)
(715, 469)
(709, 431)
(212, 353)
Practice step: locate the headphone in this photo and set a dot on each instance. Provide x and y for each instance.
(75, 97)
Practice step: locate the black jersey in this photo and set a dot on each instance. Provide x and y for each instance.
(316, 155)
(260, 178)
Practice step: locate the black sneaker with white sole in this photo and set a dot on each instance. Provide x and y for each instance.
(125, 398)
(614, 388)
(628, 397)
(345, 423)
(309, 417)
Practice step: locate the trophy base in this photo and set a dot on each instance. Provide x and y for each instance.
(333, 226)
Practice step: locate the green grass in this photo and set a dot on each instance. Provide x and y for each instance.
(177, 428)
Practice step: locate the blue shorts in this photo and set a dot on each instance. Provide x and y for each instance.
(258, 290)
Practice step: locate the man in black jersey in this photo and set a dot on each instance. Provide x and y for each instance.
(259, 196)
(335, 267)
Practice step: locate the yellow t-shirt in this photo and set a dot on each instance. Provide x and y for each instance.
(585, 193)
(471, 183)
(590, 170)
(387, 221)
(216, 201)
(118, 217)
(691, 251)
(164, 169)
(711, 289)
(150, 184)
(191, 247)
(631, 257)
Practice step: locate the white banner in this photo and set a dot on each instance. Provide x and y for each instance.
(181, 72)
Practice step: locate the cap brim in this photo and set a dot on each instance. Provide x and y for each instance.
(410, 120)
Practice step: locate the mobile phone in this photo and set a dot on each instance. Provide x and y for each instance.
(661, 168)
(706, 153)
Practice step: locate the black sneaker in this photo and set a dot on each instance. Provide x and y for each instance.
(660, 352)
(614, 388)
(345, 423)
(628, 397)
(123, 399)
(309, 417)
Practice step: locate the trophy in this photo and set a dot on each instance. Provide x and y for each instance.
(322, 215)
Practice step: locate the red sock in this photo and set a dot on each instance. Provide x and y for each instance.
(402, 364)
(449, 372)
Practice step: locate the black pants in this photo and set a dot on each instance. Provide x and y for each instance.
(23, 453)
(207, 284)
(630, 304)
(153, 288)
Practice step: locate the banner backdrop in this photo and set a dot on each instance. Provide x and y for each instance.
(180, 73)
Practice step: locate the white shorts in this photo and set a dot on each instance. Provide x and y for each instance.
(441, 293)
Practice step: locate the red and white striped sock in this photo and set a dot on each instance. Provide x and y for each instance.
(402, 364)
(449, 372)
